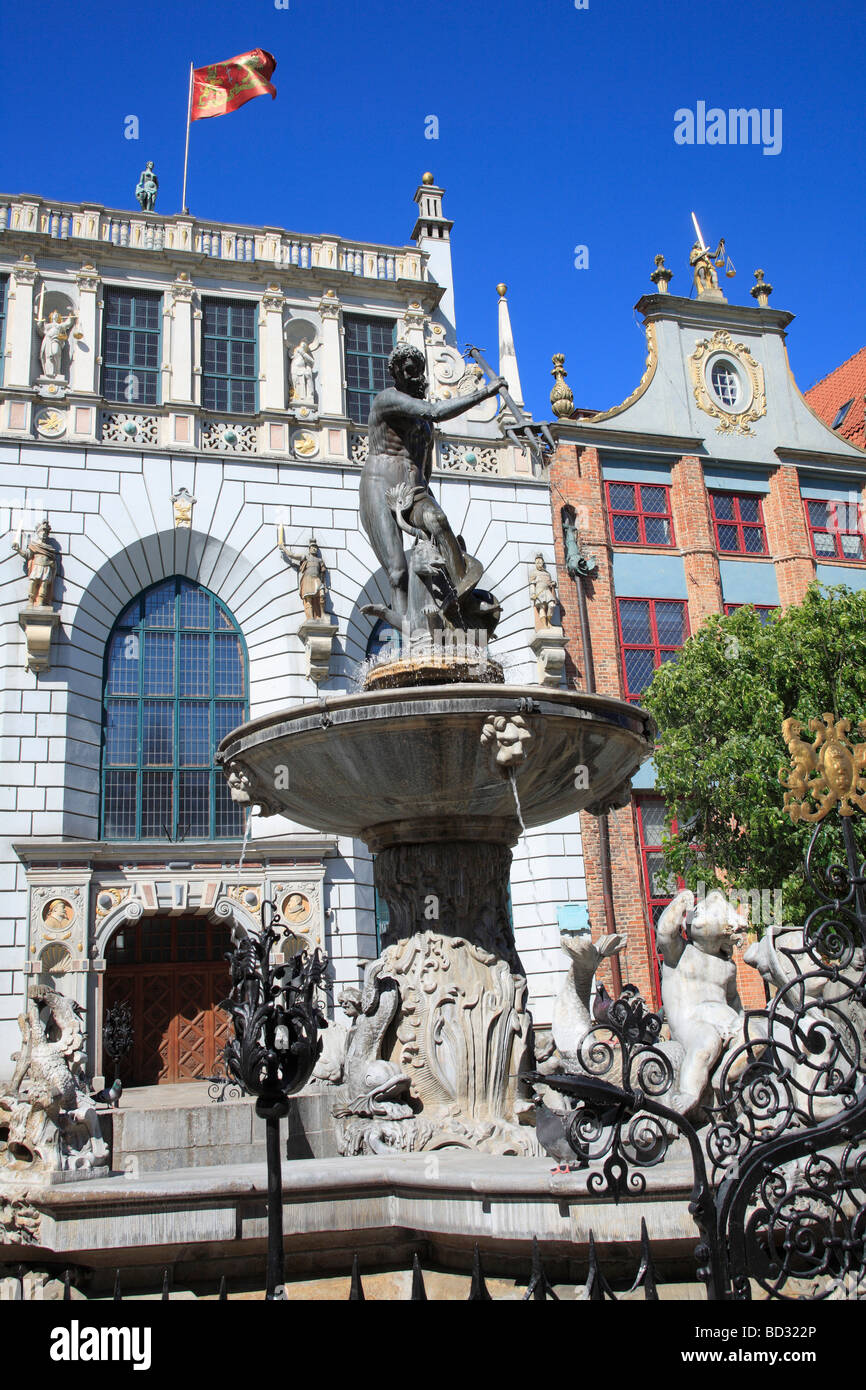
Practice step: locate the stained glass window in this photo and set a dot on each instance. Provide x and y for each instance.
(175, 685)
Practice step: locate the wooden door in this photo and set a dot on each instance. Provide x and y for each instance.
(179, 1028)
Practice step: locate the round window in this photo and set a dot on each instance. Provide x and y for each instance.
(725, 381)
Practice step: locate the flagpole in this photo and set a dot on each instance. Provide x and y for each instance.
(186, 150)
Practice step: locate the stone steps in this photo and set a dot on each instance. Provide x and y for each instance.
(148, 1135)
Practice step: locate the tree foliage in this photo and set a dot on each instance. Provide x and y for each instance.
(720, 708)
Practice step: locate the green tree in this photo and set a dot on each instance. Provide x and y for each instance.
(720, 708)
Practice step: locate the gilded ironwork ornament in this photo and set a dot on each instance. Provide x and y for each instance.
(830, 772)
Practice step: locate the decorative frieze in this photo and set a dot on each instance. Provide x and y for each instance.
(359, 448)
(456, 457)
(122, 427)
(225, 437)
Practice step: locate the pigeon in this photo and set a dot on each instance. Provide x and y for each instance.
(109, 1096)
(550, 1128)
(601, 1004)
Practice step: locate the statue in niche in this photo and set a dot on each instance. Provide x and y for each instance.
(703, 263)
(542, 590)
(434, 587)
(311, 576)
(303, 392)
(40, 556)
(147, 188)
(55, 333)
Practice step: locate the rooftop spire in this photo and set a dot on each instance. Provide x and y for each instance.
(507, 354)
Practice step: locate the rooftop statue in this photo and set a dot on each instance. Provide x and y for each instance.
(433, 587)
(147, 188)
(704, 263)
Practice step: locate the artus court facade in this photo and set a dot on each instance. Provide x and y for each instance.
(185, 403)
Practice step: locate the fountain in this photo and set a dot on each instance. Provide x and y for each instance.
(436, 765)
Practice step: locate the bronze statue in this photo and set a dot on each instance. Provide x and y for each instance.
(41, 559)
(434, 586)
(147, 187)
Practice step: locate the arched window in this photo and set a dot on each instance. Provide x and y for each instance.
(381, 636)
(175, 685)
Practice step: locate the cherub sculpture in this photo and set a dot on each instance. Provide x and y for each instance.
(702, 1006)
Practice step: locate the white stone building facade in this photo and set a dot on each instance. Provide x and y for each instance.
(171, 442)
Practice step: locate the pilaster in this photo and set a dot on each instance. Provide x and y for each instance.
(787, 535)
(273, 351)
(182, 292)
(695, 539)
(19, 332)
(331, 369)
(83, 364)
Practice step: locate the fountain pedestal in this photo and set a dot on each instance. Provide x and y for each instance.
(462, 1033)
(429, 778)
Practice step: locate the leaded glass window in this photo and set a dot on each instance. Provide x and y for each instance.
(369, 344)
(130, 346)
(175, 685)
(229, 356)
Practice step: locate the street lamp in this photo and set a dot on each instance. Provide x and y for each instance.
(276, 1019)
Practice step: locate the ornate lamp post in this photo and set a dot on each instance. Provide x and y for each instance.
(276, 1021)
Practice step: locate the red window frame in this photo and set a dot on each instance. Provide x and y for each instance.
(738, 523)
(762, 609)
(832, 528)
(655, 646)
(640, 514)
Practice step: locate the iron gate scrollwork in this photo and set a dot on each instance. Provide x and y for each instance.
(779, 1171)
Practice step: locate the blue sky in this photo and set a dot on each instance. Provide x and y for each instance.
(556, 129)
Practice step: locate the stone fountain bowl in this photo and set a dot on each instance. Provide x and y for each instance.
(409, 765)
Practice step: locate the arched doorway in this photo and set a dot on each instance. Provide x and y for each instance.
(174, 973)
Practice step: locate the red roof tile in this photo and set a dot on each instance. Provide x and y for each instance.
(845, 383)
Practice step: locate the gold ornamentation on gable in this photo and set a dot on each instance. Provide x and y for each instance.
(729, 422)
(829, 772)
(649, 371)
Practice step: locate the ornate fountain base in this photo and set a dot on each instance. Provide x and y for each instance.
(429, 777)
(452, 1049)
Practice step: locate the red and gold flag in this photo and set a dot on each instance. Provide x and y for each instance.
(223, 87)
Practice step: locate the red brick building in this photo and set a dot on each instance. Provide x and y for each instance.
(714, 484)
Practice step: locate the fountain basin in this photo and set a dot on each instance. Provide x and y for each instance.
(409, 765)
